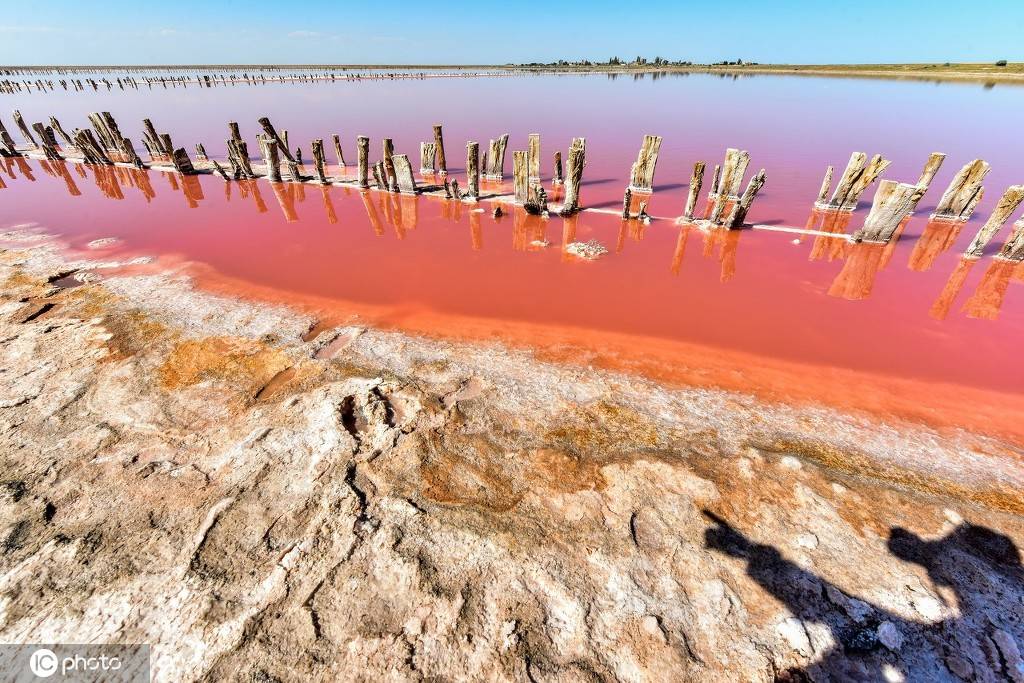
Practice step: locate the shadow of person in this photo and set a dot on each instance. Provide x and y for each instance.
(980, 566)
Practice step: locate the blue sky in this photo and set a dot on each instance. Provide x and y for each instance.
(315, 31)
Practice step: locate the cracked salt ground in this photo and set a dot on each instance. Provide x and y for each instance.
(409, 509)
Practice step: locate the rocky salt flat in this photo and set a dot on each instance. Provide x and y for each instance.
(185, 470)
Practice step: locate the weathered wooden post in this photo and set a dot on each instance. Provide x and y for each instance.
(495, 166)
(363, 152)
(826, 185)
(964, 192)
(893, 202)
(642, 175)
(520, 179)
(129, 152)
(439, 145)
(533, 157)
(627, 200)
(696, 180)
(60, 131)
(7, 146)
(557, 177)
(181, 162)
(1013, 249)
(20, 122)
(282, 144)
(271, 158)
(473, 170)
(716, 180)
(337, 150)
(405, 180)
(931, 167)
(1007, 204)
(428, 158)
(857, 177)
(740, 209)
(319, 160)
(388, 148)
(48, 149)
(574, 176)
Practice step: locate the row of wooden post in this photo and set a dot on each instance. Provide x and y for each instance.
(893, 202)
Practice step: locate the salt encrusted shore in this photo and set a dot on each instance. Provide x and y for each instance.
(186, 470)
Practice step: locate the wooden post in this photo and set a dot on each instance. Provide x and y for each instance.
(48, 149)
(1014, 247)
(60, 131)
(181, 162)
(235, 134)
(871, 173)
(363, 151)
(574, 176)
(1007, 204)
(337, 150)
(931, 167)
(7, 146)
(533, 158)
(716, 180)
(389, 166)
(854, 169)
(642, 176)
(520, 179)
(201, 154)
(439, 144)
(627, 199)
(428, 158)
(319, 160)
(739, 211)
(557, 178)
(473, 170)
(20, 122)
(696, 180)
(826, 185)
(271, 158)
(282, 145)
(403, 174)
(893, 202)
(964, 192)
(494, 168)
(129, 152)
(378, 175)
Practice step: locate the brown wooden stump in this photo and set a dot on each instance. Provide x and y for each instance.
(893, 203)
(964, 192)
(696, 180)
(533, 158)
(442, 164)
(574, 176)
(1007, 204)
(740, 209)
(473, 170)
(494, 165)
(282, 144)
(520, 178)
(337, 150)
(557, 177)
(319, 160)
(404, 177)
(642, 175)
(363, 147)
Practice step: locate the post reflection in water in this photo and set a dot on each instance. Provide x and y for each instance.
(987, 299)
(728, 242)
(833, 222)
(680, 250)
(862, 263)
(938, 237)
(527, 230)
(940, 309)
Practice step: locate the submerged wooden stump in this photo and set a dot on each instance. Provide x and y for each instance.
(442, 164)
(428, 158)
(494, 164)
(363, 153)
(520, 177)
(319, 160)
(740, 209)
(1007, 204)
(472, 170)
(533, 157)
(964, 193)
(406, 181)
(696, 180)
(893, 203)
(642, 175)
(931, 168)
(282, 142)
(271, 158)
(574, 176)
(858, 176)
(1013, 249)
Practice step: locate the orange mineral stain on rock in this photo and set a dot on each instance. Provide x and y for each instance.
(245, 364)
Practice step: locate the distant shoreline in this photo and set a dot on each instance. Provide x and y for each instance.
(974, 72)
